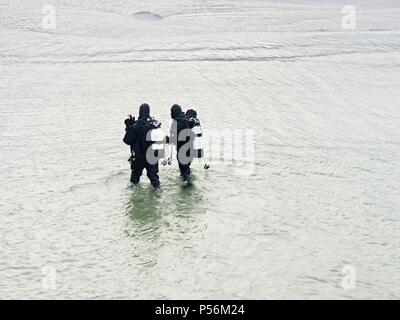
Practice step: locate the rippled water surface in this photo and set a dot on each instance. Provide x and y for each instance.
(324, 194)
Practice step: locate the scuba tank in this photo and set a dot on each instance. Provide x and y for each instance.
(194, 124)
(155, 138)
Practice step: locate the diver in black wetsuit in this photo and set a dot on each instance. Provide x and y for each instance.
(136, 136)
(180, 135)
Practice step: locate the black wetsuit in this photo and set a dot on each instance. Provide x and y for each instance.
(182, 123)
(135, 136)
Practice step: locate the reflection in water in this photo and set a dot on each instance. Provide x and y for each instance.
(144, 212)
(157, 219)
(189, 200)
(144, 225)
(147, 208)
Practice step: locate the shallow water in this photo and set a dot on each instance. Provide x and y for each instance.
(324, 194)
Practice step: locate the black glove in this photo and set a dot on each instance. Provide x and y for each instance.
(130, 121)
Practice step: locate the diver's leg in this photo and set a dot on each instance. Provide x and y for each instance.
(137, 170)
(152, 174)
(188, 172)
(185, 171)
(181, 168)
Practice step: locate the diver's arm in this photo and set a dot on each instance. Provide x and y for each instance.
(131, 133)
